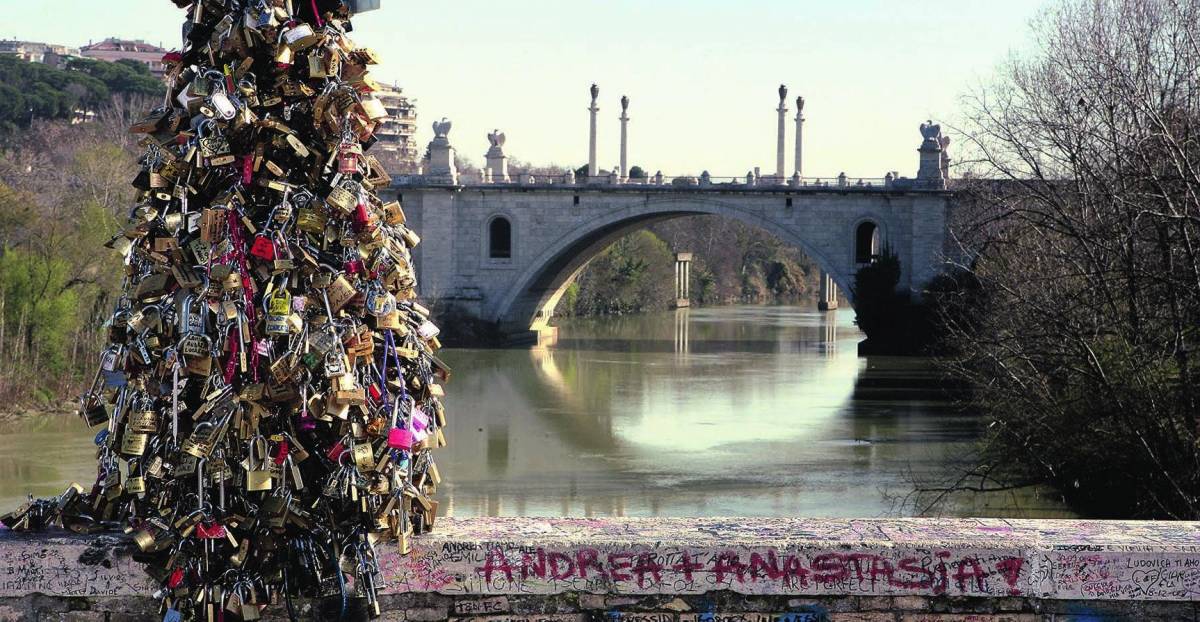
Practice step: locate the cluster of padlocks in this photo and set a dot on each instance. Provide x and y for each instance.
(270, 395)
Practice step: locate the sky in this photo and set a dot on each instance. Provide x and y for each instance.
(701, 75)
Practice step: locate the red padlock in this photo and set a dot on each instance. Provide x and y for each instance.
(281, 453)
(348, 159)
(336, 451)
(211, 531)
(263, 248)
(361, 217)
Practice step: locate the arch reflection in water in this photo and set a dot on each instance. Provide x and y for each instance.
(731, 411)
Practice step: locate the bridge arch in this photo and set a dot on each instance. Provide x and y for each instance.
(869, 234)
(539, 287)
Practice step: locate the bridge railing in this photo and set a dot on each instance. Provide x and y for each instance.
(745, 182)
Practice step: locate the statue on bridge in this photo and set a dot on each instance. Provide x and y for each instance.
(496, 138)
(931, 131)
(441, 129)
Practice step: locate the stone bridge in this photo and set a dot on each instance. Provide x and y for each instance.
(505, 249)
(507, 252)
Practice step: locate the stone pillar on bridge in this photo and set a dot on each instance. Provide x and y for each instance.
(497, 163)
(683, 273)
(827, 293)
(798, 174)
(593, 170)
(624, 138)
(930, 175)
(442, 169)
(781, 139)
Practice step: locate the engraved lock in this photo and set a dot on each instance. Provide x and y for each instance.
(279, 307)
(193, 316)
(340, 292)
(309, 220)
(135, 485)
(213, 144)
(134, 443)
(201, 251)
(145, 419)
(195, 345)
(393, 214)
(300, 37)
(342, 199)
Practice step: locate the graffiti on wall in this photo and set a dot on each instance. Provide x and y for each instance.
(1076, 560)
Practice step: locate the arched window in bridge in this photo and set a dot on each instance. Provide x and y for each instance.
(866, 243)
(500, 238)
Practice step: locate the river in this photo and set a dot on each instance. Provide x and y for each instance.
(733, 411)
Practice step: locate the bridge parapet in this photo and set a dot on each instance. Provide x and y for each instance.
(692, 570)
(660, 183)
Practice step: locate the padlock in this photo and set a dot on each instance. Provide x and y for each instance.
(263, 247)
(348, 155)
(342, 200)
(134, 443)
(258, 475)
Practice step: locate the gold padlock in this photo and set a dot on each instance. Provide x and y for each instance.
(340, 292)
(144, 421)
(134, 443)
(258, 475)
(342, 200)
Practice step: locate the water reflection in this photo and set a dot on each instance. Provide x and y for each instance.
(762, 411)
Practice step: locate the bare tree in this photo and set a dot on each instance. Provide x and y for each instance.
(1081, 334)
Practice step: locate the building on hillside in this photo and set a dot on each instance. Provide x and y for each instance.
(397, 134)
(37, 52)
(113, 49)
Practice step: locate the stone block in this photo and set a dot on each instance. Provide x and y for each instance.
(677, 605)
(910, 603)
(425, 614)
(591, 601)
(862, 617)
(875, 603)
(12, 613)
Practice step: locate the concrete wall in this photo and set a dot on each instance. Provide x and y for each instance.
(557, 229)
(699, 570)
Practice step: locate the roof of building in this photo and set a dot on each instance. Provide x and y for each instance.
(113, 44)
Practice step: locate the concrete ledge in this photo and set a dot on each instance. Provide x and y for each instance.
(674, 566)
